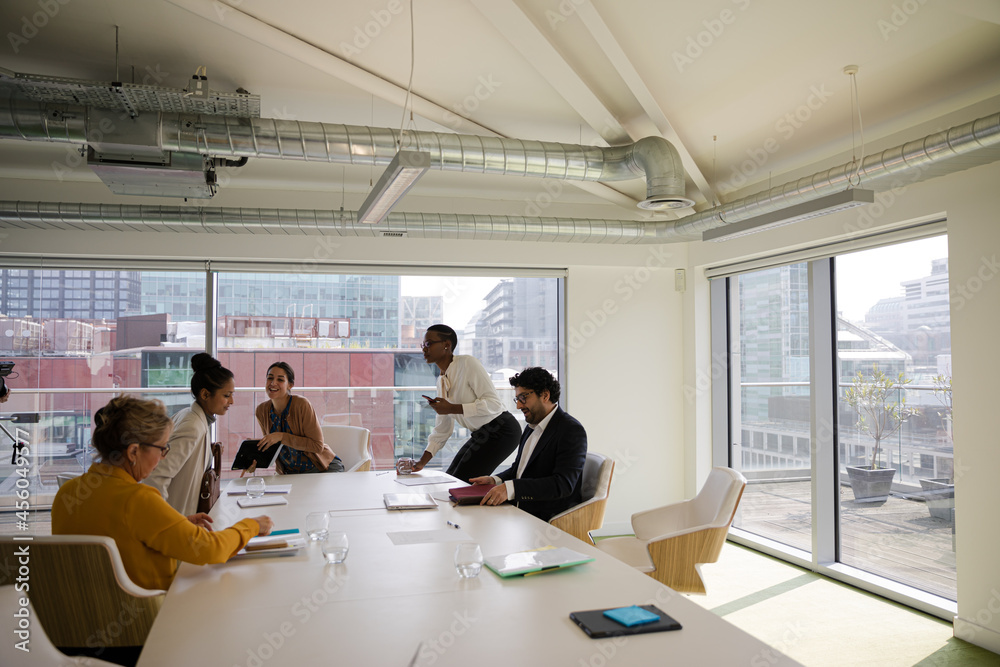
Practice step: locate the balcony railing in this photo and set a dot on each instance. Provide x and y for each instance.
(56, 425)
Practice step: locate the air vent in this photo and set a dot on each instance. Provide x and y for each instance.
(394, 235)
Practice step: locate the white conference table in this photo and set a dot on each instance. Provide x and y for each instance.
(385, 600)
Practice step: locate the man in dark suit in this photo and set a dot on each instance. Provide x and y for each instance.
(547, 474)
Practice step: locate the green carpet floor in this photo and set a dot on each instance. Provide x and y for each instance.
(820, 622)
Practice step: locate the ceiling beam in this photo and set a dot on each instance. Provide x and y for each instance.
(616, 55)
(246, 25)
(242, 23)
(536, 48)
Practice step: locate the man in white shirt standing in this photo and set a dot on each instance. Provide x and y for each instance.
(547, 474)
(466, 395)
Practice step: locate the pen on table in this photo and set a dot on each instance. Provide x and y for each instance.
(453, 525)
(383, 473)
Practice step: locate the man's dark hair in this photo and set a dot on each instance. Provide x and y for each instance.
(537, 380)
(448, 333)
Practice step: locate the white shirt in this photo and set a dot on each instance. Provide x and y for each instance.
(466, 382)
(529, 449)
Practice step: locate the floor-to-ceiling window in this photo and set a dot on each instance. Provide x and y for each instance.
(881, 409)
(770, 401)
(77, 337)
(894, 409)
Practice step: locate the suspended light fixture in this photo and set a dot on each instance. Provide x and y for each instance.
(404, 170)
(838, 201)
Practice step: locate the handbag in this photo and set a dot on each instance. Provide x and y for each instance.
(211, 482)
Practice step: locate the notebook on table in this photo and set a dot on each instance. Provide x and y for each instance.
(469, 495)
(409, 501)
(598, 625)
(263, 501)
(272, 545)
(532, 562)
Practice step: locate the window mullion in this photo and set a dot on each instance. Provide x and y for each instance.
(823, 399)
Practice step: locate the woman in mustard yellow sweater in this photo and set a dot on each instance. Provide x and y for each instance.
(131, 436)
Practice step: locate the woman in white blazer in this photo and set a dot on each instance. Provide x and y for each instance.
(178, 476)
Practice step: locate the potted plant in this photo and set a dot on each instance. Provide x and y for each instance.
(880, 417)
(939, 492)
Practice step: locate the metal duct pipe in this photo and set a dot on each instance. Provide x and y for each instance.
(654, 158)
(961, 147)
(22, 118)
(281, 222)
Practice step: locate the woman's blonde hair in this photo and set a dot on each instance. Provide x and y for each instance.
(127, 419)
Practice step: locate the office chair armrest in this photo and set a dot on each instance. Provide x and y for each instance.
(662, 520)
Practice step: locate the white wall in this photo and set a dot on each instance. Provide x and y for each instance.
(971, 201)
(624, 358)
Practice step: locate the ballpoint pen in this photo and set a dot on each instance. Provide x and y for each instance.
(453, 525)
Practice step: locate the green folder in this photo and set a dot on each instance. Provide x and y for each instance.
(533, 562)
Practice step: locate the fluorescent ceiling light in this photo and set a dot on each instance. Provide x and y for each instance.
(404, 170)
(838, 201)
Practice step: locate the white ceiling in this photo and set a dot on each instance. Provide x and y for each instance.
(725, 80)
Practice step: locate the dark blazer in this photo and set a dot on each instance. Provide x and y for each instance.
(552, 479)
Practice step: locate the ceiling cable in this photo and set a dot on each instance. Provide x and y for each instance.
(409, 85)
(855, 178)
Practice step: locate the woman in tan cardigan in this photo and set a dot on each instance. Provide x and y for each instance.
(291, 421)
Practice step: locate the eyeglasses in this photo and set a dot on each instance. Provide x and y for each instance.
(163, 450)
(427, 343)
(522, 398)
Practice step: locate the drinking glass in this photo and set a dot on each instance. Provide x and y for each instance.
(317, 525)
(468, 559)
(336, 546)
(255, 487)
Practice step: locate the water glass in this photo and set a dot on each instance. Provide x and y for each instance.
(336, 546)
(468, 559)
(255, 487)
(317, 525)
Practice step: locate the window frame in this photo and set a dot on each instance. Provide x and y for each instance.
(824, 557)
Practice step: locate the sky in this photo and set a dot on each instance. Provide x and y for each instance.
(867, 276)
(463, 295)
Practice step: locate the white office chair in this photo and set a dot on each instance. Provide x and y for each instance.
(64, 477)
(42, 650)
(580, 519)
(351, 444)
(341, 419)
(80, 590)
(672, 542)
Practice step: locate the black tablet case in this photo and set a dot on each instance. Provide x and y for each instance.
(249, 453)
(598, 626)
